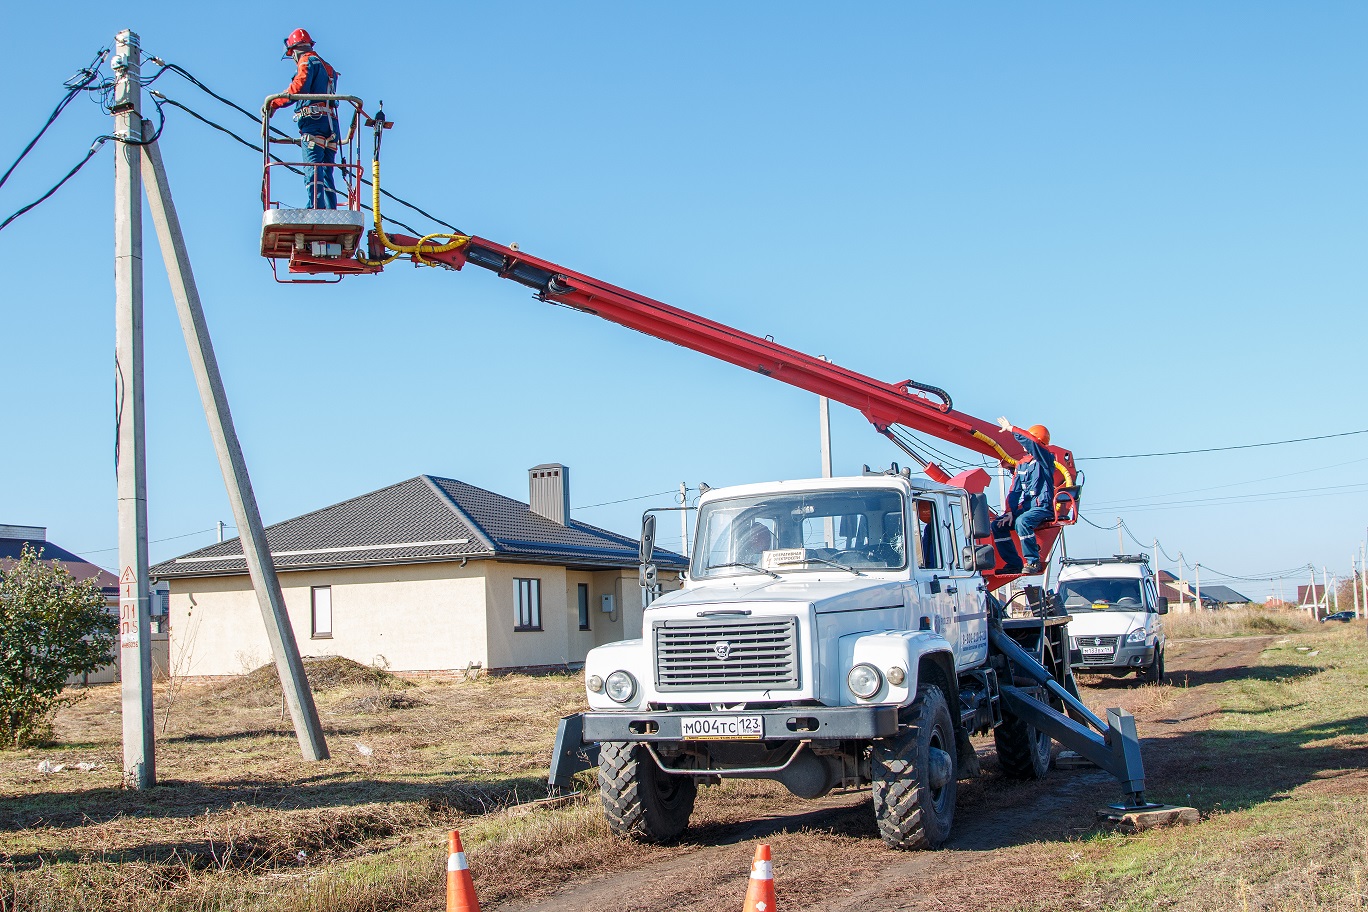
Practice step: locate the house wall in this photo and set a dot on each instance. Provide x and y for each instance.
(418, 617)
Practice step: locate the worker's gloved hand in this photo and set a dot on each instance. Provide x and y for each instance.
(1005, 424)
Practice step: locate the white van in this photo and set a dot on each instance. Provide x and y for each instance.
(1115, 623)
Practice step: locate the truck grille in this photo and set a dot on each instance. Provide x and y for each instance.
(740, 654)
(1107, 643)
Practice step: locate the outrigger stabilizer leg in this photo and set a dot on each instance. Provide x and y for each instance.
(1114, 745)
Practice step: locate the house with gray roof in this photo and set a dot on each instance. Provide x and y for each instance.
(430, 574)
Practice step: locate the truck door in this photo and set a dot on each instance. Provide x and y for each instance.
(937, 592)
(971, 648)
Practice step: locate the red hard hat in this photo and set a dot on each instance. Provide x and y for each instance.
(1040, 432)
(299, 37)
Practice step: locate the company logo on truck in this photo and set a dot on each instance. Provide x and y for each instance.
(722, 649)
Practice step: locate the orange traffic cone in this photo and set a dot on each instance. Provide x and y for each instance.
(760, 891)
(460, 888)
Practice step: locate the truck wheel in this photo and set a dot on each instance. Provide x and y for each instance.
(639, 799)
(1023, 751)
(1153, 673)
(914, 775)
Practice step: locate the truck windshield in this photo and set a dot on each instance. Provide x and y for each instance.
(860, 529)
(1084, 595)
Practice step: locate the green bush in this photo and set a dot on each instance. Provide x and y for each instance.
(52, 626)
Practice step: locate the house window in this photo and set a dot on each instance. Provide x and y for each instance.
(321, 597)
(527, 604)
(584, 606)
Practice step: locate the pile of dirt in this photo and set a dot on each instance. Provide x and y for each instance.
(324, 673)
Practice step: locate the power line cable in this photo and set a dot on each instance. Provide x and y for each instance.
(155, 541)
(75, 85)
(1221, 449)
(99, 142)
(1147, 499)
(609, 503)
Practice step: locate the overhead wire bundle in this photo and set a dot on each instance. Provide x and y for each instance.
(89, 80)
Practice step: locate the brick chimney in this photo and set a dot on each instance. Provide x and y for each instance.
(549, 491)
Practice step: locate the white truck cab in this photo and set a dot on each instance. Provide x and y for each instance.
(1115, 616)
(793, 583)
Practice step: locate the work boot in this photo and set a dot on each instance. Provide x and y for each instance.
(1031, 569)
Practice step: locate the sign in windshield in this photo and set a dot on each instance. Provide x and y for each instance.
(1082, 596)
(831, 531)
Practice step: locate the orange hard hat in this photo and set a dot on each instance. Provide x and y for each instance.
(298, 38)
(1041, 433)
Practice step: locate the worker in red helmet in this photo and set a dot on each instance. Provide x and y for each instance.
(1030, 502)
(318, 128)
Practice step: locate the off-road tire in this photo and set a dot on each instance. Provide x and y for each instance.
(910, 814)
(1022, 750)
(639, 800)
(1153, 673)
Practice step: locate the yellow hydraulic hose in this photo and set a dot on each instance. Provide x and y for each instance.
(415, 250)
(1002, 454)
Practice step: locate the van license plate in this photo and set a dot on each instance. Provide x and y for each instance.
(1097, 650)
(722, 728)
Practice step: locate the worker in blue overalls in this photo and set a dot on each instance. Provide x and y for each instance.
(318, 129)
(1030, 502)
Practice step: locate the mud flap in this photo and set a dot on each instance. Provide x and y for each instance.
(570, 755)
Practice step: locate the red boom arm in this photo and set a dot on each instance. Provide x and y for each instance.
(884, 404)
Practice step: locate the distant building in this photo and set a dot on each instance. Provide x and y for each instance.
(430, 574)
(1218, 596)
(13, 539)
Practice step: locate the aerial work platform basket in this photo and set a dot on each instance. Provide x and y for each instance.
(319, 244)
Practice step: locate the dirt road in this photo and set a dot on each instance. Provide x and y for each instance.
(828, 855)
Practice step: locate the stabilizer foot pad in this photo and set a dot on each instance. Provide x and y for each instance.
(1138, 821)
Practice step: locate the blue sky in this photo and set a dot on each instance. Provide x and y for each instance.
(1141, 225)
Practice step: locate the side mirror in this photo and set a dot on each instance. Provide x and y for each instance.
(982, 557)
(979, 518)
(648, 533)
(1162, 604)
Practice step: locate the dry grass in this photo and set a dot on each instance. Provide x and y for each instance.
(242, 823)
(1235, 622)
(1279, 776)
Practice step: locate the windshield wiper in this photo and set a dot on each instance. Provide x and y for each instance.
(821, 560)
(756, 567)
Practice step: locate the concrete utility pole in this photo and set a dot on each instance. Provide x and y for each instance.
(824, 429)
(1354, 581)
(684, 518)
(261, 567)
(1325, 587)
(1198, 570)
(1363, 575)
(130, 457)
(1120, 541)
(220, 531)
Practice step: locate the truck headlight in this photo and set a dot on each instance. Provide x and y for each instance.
(1137, 637)
(896, 675)
(864, 681)
(594, 683)
(620, 686)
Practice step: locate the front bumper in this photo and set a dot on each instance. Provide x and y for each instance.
(800, 723)
(1127, 658)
